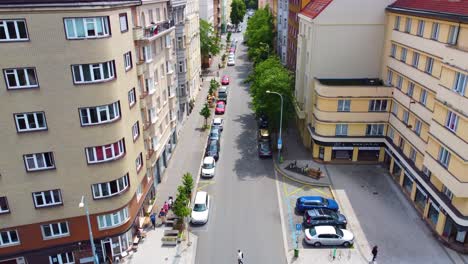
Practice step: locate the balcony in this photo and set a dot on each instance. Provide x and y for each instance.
(351, 117)
(152, 32)
(170, 70)
(457, 187)
(142, 67)
(449, 138)
(351, 88)
(149, 153)
(144, 94)
(146, 125)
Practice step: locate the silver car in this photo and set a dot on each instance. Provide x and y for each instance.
(328, 236)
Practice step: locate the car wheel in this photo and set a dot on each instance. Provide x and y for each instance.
(346, 244)
(317, 244)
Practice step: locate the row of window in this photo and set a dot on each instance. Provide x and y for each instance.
(75, 28)
(344, 105)
(421, 25)
(61, 229)
(371, 129)
(460, 81)
(398, 83)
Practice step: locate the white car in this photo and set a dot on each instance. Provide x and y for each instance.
(218, 122)
(231, 61)
(328, 236)
(201, 208)
(208, 167)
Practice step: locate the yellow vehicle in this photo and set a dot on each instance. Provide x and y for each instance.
(263, 134)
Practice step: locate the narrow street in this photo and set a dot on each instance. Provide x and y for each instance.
(244, 212)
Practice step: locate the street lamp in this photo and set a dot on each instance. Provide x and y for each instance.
(280, 141)
(91, 239)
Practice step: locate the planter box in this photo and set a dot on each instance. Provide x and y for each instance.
(171, 237)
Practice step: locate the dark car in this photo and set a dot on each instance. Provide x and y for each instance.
(304, 203)
(264, 149)
(212, 149)
(215, 134)
(263, 122)
(323, 216)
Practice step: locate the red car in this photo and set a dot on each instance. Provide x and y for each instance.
(232, 50)
(220, 107)
(225, 80)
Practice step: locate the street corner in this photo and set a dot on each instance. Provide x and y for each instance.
(290, 190)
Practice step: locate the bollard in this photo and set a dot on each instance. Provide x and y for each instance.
(296, 252)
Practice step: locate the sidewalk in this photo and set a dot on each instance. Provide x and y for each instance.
(186, 158)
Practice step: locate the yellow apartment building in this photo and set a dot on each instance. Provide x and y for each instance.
(88, 110)
(413, 118)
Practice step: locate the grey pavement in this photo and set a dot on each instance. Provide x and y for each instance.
(244, 213)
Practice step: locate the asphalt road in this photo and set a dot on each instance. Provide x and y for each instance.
(244, 213)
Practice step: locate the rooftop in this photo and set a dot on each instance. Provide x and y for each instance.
(51, 3)
(449, 9)
(315, 7)
(351, 82)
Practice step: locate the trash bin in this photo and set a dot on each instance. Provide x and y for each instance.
(296, 252)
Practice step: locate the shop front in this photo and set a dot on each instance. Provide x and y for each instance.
(455, 233)
(114, 246)
(342, 153)
(408, 182)
(368, 153)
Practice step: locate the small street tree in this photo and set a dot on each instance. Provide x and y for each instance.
(238, 10)
(181, 206)
(187, 182)
(214, 85)
(209, 42)
(205, 112)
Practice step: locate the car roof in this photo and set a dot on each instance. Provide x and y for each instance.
(225, 76)
(217, 120)
(264, 132)
(311, 198)
(200, 198)
(223, 89)
(208, 160)
(220, 102)
(325, 230)
(317, 212)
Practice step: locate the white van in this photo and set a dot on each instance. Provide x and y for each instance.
(201, 208)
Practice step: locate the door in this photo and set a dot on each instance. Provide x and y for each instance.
(106, 245)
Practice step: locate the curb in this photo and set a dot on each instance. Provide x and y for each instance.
(278, 169)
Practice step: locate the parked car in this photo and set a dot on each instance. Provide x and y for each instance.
(231, 61)
(263, 121)
(223, 94)
(208, 167)
(328, 236)
(225, 80)
(201, 208)
(218, 123)
(220, 107)
(323, 216)
(263, 135)
(232, 50)
(212, 149)
(215, 134)
(264, 149)
(304, 203)
(239, 28)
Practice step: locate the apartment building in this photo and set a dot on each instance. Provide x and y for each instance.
(425, 61)
(295, 7)
(387, 84)
(282, 30)
(192, 65)
(88, 108)
(217, 15)
(207, 11)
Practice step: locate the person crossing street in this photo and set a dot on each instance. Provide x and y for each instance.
(240, 257)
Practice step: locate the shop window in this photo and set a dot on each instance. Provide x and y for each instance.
(408, 184)
(433, 214)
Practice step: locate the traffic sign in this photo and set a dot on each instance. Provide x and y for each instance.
(298, 227)
(280, 143)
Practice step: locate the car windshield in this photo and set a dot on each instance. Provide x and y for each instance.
(212, 147)
(199, 208)
(339, 232)
(312, 232)
(220, 106)
(208, 165)
(214, 135)
(264, 147)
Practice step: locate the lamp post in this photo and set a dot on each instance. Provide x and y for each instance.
(91, 239)
(280, 140)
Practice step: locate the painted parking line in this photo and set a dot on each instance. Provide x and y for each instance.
(204, 184)
(309, 187)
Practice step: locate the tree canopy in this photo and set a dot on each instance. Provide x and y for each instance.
(238, 10)
(260, 32)
(209, 42)
(271, 75)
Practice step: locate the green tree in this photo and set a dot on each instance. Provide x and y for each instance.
(260, 29)
(252, 4)
(187, 182)
(180, 206)
(238, 11)
(214, 85)
(271, 75)
(261, 53)
(205, 112)
(209, 41)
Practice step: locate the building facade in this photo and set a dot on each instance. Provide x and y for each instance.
(282, 30)
(295, 7)
(207, 11)
(88, 106)
(390, 87)
(192, 66)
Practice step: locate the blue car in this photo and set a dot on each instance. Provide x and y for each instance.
(305, 203)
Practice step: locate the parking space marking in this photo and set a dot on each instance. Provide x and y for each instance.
(204, 184)
(309, 187)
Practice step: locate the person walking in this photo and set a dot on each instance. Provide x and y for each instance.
(240, 257)
(374, 253)
(153, 220)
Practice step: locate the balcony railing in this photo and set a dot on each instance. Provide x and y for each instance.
(149, 153)
(143, 94)
(146, 125)
(157, 29)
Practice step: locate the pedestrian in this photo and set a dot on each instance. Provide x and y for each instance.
(166, 207)
(170, 202)
(162, 215)
(240, 257)
(153, 220)
(374, 253)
